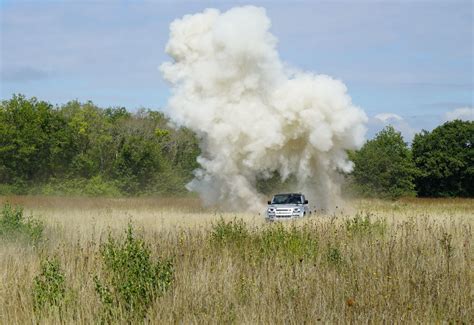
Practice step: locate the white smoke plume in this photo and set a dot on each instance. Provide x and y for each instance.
(253, 117)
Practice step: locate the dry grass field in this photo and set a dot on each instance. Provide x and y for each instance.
(409, 261)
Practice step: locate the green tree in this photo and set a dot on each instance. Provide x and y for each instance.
(383, 167)
(445, 158)
(80, 148)
(33, 136)
(182, 149)
(91, 129)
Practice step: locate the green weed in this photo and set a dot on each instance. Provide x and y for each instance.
(290, 243)
(49, 287)
(130, 281)
(14, 225)
(229, 232)
(273, 240)
(334, 255)
(366, 225)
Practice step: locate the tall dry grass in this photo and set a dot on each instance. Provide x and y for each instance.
(410, 261)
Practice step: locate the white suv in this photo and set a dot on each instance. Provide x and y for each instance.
(287, 206)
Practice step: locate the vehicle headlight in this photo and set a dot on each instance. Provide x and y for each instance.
(297, 210)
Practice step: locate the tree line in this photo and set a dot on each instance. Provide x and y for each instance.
(82, 149)
(439, 163)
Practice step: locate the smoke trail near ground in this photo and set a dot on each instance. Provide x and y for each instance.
(252, 115)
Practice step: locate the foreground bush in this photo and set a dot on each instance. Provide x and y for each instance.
(15, 226)
(130, 280)
(366, 224)
(49, 287)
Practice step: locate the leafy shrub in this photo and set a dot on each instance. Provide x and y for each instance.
(293, 243)
(131, 280)
(276, 239)
(226, 232)
(95, 186)
(11, 189)
(334, 255)
(49, 287)
(13, 225)
(360, 225)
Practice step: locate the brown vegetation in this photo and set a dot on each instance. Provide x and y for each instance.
(404, 261)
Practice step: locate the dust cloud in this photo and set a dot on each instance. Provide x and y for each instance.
(253, 115)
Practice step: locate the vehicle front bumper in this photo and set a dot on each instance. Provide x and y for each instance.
(274, 217)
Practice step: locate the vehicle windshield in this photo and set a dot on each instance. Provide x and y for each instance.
(287, 199)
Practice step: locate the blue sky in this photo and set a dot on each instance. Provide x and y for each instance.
(409, 63)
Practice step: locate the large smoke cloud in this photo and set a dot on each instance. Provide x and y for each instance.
(253, 116)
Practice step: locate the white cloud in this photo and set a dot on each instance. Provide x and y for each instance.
(463, 113)
(379, 121)
(388, 117)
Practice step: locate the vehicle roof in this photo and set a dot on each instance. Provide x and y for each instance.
(288, 194)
